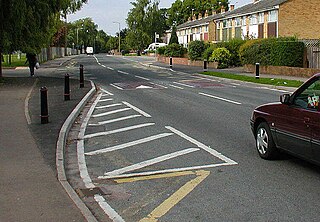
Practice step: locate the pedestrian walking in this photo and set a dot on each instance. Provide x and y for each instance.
(32, 60)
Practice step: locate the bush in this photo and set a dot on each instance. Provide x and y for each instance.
(285, 51)
(174, 50)
(208, 51)
(233, 46)
(196, 49)
(222, 56)
(161, 50)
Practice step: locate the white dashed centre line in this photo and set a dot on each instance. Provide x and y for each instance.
(219, 98)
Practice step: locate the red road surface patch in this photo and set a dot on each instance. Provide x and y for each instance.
(203, 83)
(137, 85)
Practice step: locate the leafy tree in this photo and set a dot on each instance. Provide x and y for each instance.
(144, 20)
(174, 36)
(181, 10)
(28, 26)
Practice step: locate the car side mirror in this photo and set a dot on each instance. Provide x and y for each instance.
(285, 99)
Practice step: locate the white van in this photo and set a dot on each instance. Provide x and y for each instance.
(154, 46)
(89, 50)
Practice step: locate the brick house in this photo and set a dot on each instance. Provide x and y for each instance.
(259, 19)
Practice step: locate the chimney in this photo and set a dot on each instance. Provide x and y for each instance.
(200, 16)
(214, 11)
(189, 19)
(255, 1)
(231, 7)
(194, 17)
(206, 14)
(223, 10)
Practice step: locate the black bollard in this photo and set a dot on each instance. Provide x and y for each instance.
(81, 77)
(170, 62)
(44, 105)
(205, 65)
(66, 88)
(257, 70)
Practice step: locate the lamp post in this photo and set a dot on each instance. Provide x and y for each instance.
(119, 35)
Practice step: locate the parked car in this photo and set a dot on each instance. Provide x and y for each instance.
(292, 125)
(153, 47)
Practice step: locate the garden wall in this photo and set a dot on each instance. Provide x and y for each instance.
(283, 70)
(185, 61)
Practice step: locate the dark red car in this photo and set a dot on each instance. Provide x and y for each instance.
(292, 125)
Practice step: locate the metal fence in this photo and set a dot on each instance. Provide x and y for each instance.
(313, 52)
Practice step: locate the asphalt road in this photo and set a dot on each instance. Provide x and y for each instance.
(172, 145)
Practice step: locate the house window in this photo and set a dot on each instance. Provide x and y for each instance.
(244, 21)
(253, 20)
(224, 23)
(218, 25)
(273, 16)
(206, 28)
(261, 17)
(238, 22)
(200, 29)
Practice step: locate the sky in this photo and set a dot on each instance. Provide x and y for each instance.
(105, 12)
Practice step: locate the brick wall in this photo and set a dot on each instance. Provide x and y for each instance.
(186, 61)
(300, 18)
(283, 70)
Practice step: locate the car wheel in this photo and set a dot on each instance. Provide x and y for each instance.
(264, 142)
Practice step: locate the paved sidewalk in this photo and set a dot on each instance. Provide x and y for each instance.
(29, 188)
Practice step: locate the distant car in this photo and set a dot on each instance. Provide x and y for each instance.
(89, 50)
(292, 125)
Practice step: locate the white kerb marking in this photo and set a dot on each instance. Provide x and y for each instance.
(112, 214)
(202, 146)
(219, 98)
(130, 144)
(118, 130)
(137, 109)
(109, 106)
(118, 120)
(105, 100)
(80, 148)
(151, 162)
(107, 92)
(111, 112)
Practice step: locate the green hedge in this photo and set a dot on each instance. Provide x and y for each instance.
(174, 50)
(273, 52)
(196, 49)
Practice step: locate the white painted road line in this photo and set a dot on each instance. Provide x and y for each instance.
(110, 68)
(118, 120)
(151, 162)
(140, 77)
(111, 112)
(181, 84)
(107, 92)
(122, 72)
(178, 87)
(159, 85)
(117, 87)
(137, 109)
(109, 106)
(174, 170)
(103, 66)
(129, 144)
(219, 98)
(118, 130)
(105, 100)
(202, 146)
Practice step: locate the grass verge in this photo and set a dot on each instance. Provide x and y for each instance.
(267, 81)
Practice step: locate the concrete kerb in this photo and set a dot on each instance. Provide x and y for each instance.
(60, 156)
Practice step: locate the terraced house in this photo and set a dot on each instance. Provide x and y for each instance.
(259, 19)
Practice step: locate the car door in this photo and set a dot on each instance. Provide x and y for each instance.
(298, 122)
